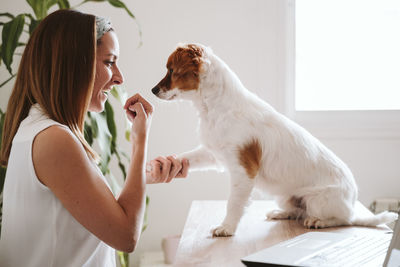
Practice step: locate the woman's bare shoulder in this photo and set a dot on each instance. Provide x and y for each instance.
(56, 149)
(55, 137)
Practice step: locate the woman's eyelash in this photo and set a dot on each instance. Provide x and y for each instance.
(110, 63)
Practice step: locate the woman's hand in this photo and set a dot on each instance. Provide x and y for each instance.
(139, 112)
(164, 169)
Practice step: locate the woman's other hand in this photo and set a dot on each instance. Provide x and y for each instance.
(164, 169)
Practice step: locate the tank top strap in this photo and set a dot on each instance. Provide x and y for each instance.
(36, 121)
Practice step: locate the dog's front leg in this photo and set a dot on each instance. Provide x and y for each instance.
(241, 187)
(201, 159)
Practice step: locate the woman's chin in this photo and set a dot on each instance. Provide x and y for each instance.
(98, 107)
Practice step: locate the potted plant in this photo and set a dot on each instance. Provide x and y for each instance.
(100, 128)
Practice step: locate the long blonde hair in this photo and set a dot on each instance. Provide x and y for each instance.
(56, 71)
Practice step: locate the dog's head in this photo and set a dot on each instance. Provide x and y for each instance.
(184, 68)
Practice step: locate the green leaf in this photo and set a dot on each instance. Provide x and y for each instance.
(123, 258)
(121, 165)
(120, 94)
(2, 177)
(85, 1)
(145, 219)
(88, 133)
(112, 127)
(2, 118)
(10, 36)
(2, 169)
(63, 4)
(32, 26)
(120, 4)
(122, 168)
(104, 137)
(50, 3)
(39, 7)
(128, 134)
(93, 125)
(6, 14)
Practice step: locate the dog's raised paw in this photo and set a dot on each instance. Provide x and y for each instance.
(222, 231)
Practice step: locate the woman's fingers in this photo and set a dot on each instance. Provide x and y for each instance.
(175, 167)
(155, 169)
(135, 110)
(137, 98)
(183, 172)
(160, 170)
(163, 170)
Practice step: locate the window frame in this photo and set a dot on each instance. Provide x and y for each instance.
(341, 124)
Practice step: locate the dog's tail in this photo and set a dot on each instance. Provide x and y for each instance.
(375, 219)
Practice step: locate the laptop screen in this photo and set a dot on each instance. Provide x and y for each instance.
(393, 255)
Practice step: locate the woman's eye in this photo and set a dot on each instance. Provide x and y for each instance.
(110, 63)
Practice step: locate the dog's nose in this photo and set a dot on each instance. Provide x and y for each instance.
(155, 90)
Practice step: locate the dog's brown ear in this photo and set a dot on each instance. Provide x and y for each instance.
(192, 56)
(196, 50)
(198, 54)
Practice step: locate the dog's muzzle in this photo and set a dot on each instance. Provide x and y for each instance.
(155, 90)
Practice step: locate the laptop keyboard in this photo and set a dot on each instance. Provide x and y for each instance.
(354, 251)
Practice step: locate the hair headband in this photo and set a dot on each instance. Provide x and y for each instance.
(103, 26)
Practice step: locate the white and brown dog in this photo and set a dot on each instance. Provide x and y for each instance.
(259, 147)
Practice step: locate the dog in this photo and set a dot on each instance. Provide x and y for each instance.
(259, 147)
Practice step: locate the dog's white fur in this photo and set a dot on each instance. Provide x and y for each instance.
(308, 180)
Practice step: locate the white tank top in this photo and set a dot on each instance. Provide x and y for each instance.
(37, 230)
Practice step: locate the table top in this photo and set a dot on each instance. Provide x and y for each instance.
(197, 247)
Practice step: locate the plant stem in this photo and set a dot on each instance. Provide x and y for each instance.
(12, 76)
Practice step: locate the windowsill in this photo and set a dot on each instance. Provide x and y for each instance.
(384, 124)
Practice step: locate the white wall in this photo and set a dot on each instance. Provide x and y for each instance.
(248, 36)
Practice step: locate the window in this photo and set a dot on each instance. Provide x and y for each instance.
(343, 66)
(347, 55)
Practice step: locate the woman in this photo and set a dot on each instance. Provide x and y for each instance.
(58, 209)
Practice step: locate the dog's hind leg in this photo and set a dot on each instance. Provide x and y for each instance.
(316, 223)
(329, 207)
(241, 188)
(292, 208)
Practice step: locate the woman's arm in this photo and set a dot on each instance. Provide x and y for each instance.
(62, 165)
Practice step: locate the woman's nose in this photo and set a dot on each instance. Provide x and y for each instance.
(118, 77)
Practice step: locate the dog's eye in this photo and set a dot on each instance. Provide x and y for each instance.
(170, 71)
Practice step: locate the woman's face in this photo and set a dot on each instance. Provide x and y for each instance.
(107, 71)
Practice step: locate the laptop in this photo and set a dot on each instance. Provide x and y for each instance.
(332, 249)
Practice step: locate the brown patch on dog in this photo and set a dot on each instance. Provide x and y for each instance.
(250, 157)
(183, 66)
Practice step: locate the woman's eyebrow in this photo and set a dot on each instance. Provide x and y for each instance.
(113, 55)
